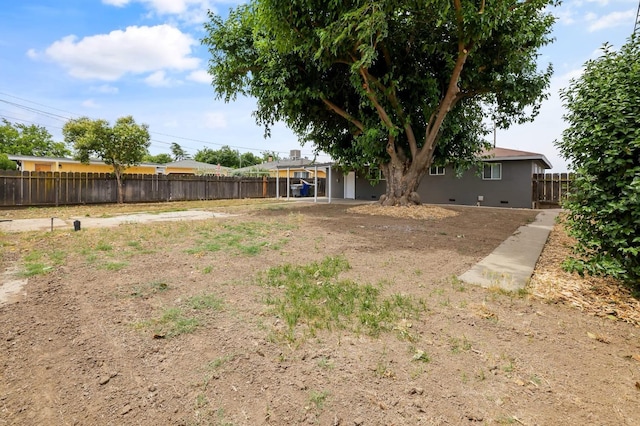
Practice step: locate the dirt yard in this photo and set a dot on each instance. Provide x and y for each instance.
(298, 314)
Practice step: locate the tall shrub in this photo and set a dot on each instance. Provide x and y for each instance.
(603, 143)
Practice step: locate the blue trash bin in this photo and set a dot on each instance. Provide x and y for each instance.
(304, 191)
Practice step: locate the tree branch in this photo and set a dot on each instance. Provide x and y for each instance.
(341, 112)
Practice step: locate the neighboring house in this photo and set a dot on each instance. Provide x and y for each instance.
(52, 164)
(294, 167)
(194, 167)
(28, 163)
(505, 181)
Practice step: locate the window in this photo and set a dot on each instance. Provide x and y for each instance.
(301, 175)
(436, 171)
(492, 171)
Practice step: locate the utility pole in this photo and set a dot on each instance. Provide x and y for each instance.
(637, 25)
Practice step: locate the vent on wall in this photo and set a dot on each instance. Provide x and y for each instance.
(452, 200)
(504, 202)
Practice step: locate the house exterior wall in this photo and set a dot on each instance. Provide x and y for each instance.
(71, 167)
(514, 189)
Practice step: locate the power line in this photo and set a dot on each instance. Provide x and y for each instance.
(59, 117)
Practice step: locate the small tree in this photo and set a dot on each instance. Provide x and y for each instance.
(603, 143)
(121, 146)
(6, 164)
(178, 152)
(22, 139)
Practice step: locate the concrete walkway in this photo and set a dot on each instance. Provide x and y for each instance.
(511, 264)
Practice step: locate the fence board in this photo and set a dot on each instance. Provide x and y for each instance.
(550, 189)
(62, 188)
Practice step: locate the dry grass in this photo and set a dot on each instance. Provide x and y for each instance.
(599, 296)
(108, 210)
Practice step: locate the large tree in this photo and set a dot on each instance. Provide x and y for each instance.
(602, 142)
(23, 139)
(121, 146)
(398, 83)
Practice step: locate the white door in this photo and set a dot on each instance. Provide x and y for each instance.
(350, 186)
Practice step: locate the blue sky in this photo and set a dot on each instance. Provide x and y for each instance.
(61, 59)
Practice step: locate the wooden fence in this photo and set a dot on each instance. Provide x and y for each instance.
(550, 189)
(59, 188)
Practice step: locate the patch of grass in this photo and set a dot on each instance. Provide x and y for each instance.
(325, 363)
(38, 262)
(207, 269)
(204, 301)
(318, 399)
(459, 345)
(35, 268)
(248, 239)
(312, 297)
(457, 284)
(171, 323)
(114, 266)
(103, 246)
(149, 289)
(218, 362)
(421, 356)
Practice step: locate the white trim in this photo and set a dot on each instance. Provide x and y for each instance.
(437, 169)
(492, 167)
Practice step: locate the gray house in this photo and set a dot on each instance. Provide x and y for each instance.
(504, 181)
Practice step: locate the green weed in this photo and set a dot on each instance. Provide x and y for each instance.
(318, 398)
(204, 301)
(171, 323)
(313, 297)
(114, 266)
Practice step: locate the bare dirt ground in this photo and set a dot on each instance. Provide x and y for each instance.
(176, 323)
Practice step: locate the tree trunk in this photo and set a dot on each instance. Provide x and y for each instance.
(402, 185)
(119, 187)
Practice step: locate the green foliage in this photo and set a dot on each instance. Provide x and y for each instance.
(20, 139)
(6, 164)
(121, 146)
(388, 82)
(178, 152)
(603, 143)
(227, 157)
(314, 298)
(160, 158)
(248, 239)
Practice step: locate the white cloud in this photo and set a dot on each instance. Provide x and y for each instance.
(117, 3)
(215, 120)
(32, 53)
(90, 103)
(200, 76)
(135, 50)
(192, 11)
(158, 79)
(106, 89)
(612, 20)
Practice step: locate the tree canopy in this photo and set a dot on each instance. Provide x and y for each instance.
(398, 83)
(122, 145)
(178, 152)
(227, 157)
(22, 139)
(162, 158)
(602, 142)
